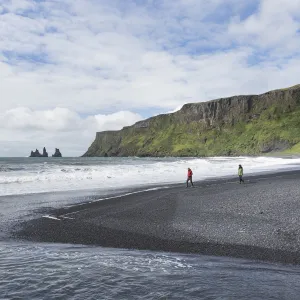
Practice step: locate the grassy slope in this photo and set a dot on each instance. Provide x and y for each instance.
(242, 138)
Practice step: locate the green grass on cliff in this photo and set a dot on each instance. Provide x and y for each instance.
(272, 130)
(294, 150)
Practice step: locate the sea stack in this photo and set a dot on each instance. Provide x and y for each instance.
(57, 153)
(45, 153)
(36, 153)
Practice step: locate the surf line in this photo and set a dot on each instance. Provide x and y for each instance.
(119, 196)
(57, 219)
(108, 198)
(51, 217)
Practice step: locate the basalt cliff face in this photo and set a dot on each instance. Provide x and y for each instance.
(237, 125)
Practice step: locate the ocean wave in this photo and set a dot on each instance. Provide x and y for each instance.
(10, 169)
(40, 177)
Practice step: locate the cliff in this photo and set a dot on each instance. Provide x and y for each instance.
(237, 125)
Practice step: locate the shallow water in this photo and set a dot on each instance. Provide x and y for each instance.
(30, 188)
(43, 271)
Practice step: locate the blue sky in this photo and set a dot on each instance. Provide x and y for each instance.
(70, 68)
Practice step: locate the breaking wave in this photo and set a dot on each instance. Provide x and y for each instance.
(19, 176)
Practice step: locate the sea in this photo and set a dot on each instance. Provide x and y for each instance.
(32, 187)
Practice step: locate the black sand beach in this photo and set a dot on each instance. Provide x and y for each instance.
(257, 220)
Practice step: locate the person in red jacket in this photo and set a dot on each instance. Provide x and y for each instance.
(189, 178)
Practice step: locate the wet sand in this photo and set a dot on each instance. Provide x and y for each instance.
(257, 220)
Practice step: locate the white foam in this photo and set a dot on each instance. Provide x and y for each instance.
(51, 217)
(64, 217)
(123, 173)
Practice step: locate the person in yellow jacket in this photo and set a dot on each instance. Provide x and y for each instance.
(241, 173)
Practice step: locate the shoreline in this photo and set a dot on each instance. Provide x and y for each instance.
(258, 220)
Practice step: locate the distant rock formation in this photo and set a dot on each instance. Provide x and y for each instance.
(36, 153)
(57, 153)
(45, 154)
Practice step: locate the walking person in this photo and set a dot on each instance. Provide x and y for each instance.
(189, 178)
(241, 173)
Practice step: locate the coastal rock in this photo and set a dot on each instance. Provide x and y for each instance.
(45, 153)
(36, 153)
(57, 153)
(274, 145)
(238, 125)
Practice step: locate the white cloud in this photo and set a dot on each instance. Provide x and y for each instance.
(97, 57)
(114, 121)
(24, 129)
(174, 110)
(276, 24)
(22, 118)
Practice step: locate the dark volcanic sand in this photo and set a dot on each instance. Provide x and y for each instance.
(256, 220)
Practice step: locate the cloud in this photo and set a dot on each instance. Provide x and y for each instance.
(22, 118)
(174, 110)
(275, 25)
(63, 119)
(59, 127)
(73, 58)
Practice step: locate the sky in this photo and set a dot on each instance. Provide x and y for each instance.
(70, 68)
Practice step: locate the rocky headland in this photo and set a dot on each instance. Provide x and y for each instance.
(238, 125)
